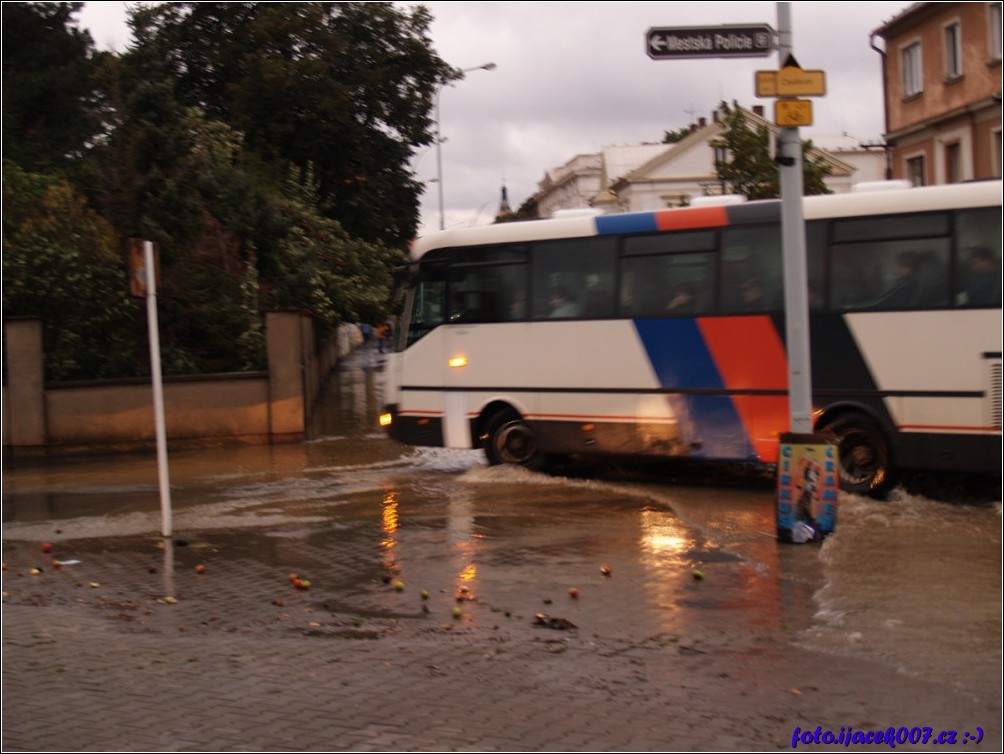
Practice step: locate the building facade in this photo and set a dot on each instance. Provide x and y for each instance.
(942, 79)
(649, 177)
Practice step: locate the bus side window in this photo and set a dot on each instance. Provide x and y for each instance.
(907, 274)
(751, 269)
(978, 258)
(487, 293)
(667, 285)
(573, 279)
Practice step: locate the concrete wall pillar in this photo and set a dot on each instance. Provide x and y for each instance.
(286, 378)
(24, 393)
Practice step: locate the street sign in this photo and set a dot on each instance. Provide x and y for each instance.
(766, 83)
(727, 41)
(790, 82)
(792, 113)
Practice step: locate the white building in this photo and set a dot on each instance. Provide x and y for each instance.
(655, 176)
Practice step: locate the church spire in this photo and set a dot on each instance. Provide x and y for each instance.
(504, 208)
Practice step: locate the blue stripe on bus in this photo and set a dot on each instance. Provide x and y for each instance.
(633, 223)
(681, 359)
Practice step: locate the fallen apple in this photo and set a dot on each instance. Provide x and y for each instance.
(46, 547)
(425, 594)
(399, 586)
(573, 593)
(200, 568)
(457, 612)
(606, 570)
(697, 574)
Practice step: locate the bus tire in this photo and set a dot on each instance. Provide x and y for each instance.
(508, 439)
(865, 458)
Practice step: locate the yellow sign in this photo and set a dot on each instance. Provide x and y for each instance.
(790, 82)
(766, 83)
(794, 82)
(137, 267)
(791, 113)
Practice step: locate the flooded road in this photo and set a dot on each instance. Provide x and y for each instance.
(912, 583)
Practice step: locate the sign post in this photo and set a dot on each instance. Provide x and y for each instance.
(788, 83)
(143, 283)
(810, 517)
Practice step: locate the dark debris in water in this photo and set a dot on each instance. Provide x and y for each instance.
(558, 624)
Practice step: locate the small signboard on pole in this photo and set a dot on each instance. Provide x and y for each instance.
(807, 486)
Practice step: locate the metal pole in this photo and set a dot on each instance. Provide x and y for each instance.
(439, 139)
(158, 392)
(796, 300)
(439, 160)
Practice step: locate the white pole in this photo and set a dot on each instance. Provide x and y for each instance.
(158, 392)
(796, 299)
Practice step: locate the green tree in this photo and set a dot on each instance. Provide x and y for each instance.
(749, 169)
(672, 137)
(62, 262)
(345, 87)
(320, 267)
(51, 106)
(526, 211)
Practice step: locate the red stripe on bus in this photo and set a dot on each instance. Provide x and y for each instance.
(687, 219)
(749, 355)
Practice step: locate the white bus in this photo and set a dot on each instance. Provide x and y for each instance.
(661, 334)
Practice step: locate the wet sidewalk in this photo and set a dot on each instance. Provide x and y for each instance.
(128, 646)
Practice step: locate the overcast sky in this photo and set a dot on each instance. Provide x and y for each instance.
(574, 77)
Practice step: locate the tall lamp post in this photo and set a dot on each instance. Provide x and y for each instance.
(439, 140)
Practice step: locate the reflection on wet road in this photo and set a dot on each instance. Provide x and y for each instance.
(911, 582)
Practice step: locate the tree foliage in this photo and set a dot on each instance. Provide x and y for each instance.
(50, 103)
(749, 168)
(264, 146)
(346, 88)
(61, 263)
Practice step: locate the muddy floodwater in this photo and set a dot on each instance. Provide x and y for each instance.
(912, 584)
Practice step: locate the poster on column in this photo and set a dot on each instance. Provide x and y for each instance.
(807, 486)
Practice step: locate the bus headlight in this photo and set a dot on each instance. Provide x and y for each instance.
(386, 420)
(458, 361)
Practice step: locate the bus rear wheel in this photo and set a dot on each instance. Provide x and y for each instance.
(865, 460)
(509, 439)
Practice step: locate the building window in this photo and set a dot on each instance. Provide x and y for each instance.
(913, 71)
(915, 171)
(953, 51)
(994, 25)
(953, 163)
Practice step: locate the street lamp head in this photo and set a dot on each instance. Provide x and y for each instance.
(484, 67)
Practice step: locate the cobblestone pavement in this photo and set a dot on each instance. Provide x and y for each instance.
(95, 657)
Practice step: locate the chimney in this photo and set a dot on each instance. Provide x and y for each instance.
(758, 110)
(702, 122)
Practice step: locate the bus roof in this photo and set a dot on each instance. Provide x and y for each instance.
(872, 202)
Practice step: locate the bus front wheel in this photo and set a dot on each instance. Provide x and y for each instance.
(865, 460)
(509, 439)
